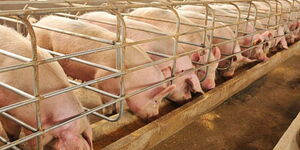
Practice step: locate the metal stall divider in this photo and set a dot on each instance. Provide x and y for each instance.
(120, 45)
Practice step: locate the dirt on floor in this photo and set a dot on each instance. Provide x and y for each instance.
(253, 119)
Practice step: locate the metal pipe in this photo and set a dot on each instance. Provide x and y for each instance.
(23, 124)
(36, 83)
(3, 140)
(120, 45)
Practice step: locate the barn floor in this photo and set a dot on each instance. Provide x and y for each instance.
(253, 119)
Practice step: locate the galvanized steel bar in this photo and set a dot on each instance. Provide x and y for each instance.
(121, 45)
(23, 124)
(36, 77)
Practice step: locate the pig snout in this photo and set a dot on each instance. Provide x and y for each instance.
(149, 112)
(208, 84)
(262, 57)
(147, 107)
(228, 73)
(69, 141)
(185, 85)
(282, 44)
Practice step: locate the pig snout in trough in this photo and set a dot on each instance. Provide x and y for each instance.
(186, 83)
(197, 38)
(208, 74)
(141, 104)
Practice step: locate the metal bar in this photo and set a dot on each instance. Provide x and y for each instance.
(23, 124)
(83, 61)
(121, 45)
(15, 56)
(10, 68)
(36, 83)
(121, 37)
(95, 89)
(65, 32)
(7, 142)
(162, 20)
(98, 8)
(57, 92)
(102, 116)
(18, 91)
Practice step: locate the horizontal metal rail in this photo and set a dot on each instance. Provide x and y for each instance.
(119, 44)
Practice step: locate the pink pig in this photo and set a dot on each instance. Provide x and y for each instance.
(145, 104)
(227, 48)
(185, 84)
(256, 53)
(75, 135)
(207, 75)
(281, 39)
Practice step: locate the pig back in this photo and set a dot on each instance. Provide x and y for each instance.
(17, 44)
(171, 27)
(51, 78)
(68, 44)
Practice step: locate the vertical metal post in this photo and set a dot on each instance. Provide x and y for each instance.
(120, 56)
(236, 30)
(35, 76)
(176, 37)
(281, 12)
(248, 16)
(205, 40)
(205, 23)
(289, 12)
(211, 36)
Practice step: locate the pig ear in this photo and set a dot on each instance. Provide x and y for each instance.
(193, 85)
(247, 60)
(195, 57)
(267, 35)
(167, 71)
(217, 53)
(87, 135)
(284, 43)
(164, 93)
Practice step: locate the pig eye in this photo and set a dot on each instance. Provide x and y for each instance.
(182, 70)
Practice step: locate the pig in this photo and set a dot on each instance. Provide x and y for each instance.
(280, 40)
(256, 53)
(53, 110)
(185, 84)
(290, 22)
(227, 48)
(207, 74)
(145, 104)
(279, 33)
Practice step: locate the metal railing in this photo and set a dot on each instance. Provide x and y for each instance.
(246, 12)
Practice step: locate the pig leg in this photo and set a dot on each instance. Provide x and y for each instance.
(11, 128)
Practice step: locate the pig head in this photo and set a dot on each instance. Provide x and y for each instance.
(134, 57)
(171, 27)
(185, 84)
(207, 74)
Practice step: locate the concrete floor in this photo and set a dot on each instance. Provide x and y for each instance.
(254, 119)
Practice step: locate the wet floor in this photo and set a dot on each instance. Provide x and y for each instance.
(253, 119)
